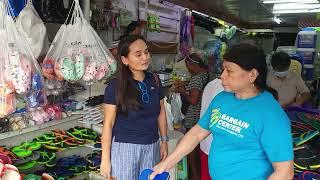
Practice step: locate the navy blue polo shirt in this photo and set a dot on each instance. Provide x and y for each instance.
(138, 126)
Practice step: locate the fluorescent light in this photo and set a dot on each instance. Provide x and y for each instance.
(289, 6)
(277, 20)
(296, 11)
(289, 1)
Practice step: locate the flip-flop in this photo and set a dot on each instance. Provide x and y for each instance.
(79, 67)
(48, 68)
(5, 158)
(34, 157)
(46, 156)
(27, 165)
(21, 152)
(32, 177)
(91, 71)
(305, 137)
(7, 152)
(145, 175)
(68, 69)
(45, 138)
(306, 159)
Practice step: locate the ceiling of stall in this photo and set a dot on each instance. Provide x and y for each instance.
(245, 13)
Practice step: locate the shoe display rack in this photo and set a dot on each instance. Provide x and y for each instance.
(15, 138)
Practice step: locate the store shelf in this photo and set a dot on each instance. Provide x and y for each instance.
(80, 150)
(16, 137)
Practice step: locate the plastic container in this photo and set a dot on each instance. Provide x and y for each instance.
(306, 39)
(307, 54)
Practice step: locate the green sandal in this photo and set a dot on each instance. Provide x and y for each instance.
(46, 138)
(46, 156)
(27, 165)
(82, 134)
(34, 145)
(21, 152)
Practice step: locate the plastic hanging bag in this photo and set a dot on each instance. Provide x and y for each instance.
(77, 52)
(32, 27)
(170, 117)
(20, 67)
(176, 105)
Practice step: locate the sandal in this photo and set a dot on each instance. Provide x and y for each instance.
(46, 138)
(46, 156)
(303, 138)
(82, 134)
(79, 67)
(8, 153)
(27, 165)
(34, 157)
(5, 158)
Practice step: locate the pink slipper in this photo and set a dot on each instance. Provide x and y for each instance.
(48, 68)
(101, 72)
(90, 72)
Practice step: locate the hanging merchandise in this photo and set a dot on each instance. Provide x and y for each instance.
(185, 34)
(20, 72)
(230, 32)
(32, 27)
(125, 17)
(77, 52)
(153, 22)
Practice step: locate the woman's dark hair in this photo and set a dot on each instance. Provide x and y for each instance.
(127, 93)
(131, 27)
(280, 60)
(248, 57)
(196, 59)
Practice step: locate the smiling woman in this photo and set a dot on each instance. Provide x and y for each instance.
(134, 114)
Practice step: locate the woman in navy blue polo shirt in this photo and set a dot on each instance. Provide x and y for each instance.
(134, 115)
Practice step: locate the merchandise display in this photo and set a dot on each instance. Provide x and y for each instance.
(55, 63)
(77, 52)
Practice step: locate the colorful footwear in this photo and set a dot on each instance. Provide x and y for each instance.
(314, 123)
(305, 137)
(32, 177)
(307, 159)
(7, 152)
(79, 67)
(46, 156)
(68, 69)
(5, 158)
(82, 133)
(21, 152)
(33, 157)
(27, 165)
(51, 163)
(46, 138)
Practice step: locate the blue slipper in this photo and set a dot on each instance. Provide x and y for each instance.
(147, 172)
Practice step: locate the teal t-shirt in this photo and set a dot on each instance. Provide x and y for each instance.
(248, 135)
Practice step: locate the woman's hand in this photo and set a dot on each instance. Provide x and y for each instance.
(159, 168)
(105, 169)
(163, 150)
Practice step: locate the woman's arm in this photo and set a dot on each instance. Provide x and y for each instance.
(186, 145)
(110, 112)
(163, 126)
(192, 96)
(282, 170)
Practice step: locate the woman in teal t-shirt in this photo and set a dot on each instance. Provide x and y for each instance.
(251, 132)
